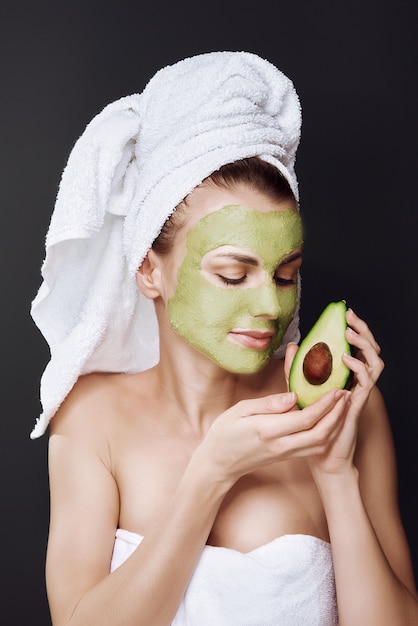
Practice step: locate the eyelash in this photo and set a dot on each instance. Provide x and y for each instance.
(283, 282)
(232, 281)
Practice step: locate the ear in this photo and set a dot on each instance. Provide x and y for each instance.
(148, 276)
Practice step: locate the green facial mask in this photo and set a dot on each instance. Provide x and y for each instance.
(203, 314)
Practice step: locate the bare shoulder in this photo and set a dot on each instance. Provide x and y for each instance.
(85, 495)
(96, 404)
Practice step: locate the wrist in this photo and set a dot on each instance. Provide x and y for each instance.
(207, 474)
(338, 483)
(341, 499)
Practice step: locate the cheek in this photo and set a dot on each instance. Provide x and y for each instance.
(288, 301)
(204, 304)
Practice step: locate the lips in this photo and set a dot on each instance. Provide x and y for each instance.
(255, 339)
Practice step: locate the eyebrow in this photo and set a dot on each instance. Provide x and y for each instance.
(241, 258)
(292, 257)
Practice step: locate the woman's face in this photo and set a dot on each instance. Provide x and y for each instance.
(235, 292)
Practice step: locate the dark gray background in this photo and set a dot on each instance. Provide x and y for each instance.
(354, 67)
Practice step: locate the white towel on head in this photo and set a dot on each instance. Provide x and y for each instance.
(135, 162)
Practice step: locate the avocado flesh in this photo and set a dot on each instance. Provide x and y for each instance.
(326, 341)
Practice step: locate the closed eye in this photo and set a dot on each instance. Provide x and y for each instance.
(232, 281)
(287, 272)
(283, 282)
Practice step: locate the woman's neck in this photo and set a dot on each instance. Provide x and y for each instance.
(201, 390)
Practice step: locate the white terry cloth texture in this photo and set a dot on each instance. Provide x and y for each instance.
(287, 582)
(134, 163)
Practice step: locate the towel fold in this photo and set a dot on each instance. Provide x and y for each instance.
(135, 162)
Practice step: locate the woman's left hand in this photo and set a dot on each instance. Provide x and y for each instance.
(337, 454)
(366, 365)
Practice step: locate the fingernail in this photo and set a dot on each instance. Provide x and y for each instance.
(338, 394)
(289, 398)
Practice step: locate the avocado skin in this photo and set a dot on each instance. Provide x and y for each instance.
(330, 329)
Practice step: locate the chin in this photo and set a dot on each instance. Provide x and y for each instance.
(248, 371)
(243, 365)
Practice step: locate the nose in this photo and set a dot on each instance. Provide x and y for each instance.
(266, 302)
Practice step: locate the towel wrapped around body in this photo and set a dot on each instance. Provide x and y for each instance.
(287, 582)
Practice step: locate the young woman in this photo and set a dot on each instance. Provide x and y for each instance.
(195, 491)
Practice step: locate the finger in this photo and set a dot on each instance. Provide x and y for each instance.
(361, 342)
(274, 403)
(367, 353)
(366, 374)
(308, 417)
(296, 421)
(317, 439)
(291, 350)
(361, 328)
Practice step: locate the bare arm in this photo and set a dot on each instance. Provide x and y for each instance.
(374, 578)
(147, 588)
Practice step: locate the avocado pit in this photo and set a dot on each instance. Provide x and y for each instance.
(317, 364)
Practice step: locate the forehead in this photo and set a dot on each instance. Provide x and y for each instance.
(268, 234)
(207, 198)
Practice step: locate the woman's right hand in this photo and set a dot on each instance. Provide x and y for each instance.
(256, 432)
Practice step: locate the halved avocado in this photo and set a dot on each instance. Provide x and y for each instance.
(318, 366)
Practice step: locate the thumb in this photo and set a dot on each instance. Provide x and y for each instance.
(291, 350)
